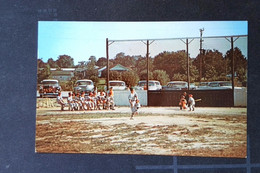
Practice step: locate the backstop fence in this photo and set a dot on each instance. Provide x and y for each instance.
(193, 60)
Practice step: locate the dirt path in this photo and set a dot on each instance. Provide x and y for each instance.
(183, 133)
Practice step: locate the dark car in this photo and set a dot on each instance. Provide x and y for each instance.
(49, 88)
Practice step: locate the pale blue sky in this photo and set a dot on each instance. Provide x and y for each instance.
(80, 40)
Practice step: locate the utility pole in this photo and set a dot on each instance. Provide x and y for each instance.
(201, 50)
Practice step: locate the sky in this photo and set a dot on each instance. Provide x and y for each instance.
(80, 40)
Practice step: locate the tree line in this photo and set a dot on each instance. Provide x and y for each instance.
(166, 66)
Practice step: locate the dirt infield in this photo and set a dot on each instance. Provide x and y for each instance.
(209, 132)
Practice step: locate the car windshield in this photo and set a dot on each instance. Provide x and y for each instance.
(144, 83)
(225, 84)
(157, 83)
(49, 82)
(203, 84)
(117, 83)
(177, 84)
(84, 83)
(214, 84)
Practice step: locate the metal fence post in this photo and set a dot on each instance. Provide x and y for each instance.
(147, 80)
(107, 64)
(188, 62)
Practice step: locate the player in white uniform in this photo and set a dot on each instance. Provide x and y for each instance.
(133, 97)
(61, 101)
(102, 99)
(95, 101)
(82, 101)
(110, 99)
(191, 102)
(71, 102)
(77, 101)
(88, 101)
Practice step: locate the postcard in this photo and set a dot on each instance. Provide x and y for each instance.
(142, 88)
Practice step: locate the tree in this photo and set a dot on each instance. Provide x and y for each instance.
(143, 75)
(125, 60)
(179, 77)
(240, 64)
(213, 65)
(82, 64)
(45, 73)
(40, 63)
(93, 59)
(101, 62)
(194, 72)
(174, 63)
(114, 75)
(65, 61)
(130, 78)
(52, 63)
(141, 66)
(92, 72)
(161, 76)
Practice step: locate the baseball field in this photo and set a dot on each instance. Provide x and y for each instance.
(206, 132)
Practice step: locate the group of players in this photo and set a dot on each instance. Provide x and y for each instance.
(92, 101)
(187, 102)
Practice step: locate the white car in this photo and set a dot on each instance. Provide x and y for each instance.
(117, 85)
(193, 86)
(84, 85)
(220, 85)
(176, 85)
(153, 85)
(158, 84)
(215, 85)
(203, 85)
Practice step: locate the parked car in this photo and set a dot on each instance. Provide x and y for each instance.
(49, 88)
(176, 85)
(220, 85)
(84, 85)
(203, 85)
(193, 86)
(215, 85)
(158, 84)
(117, 85)
(152, 84)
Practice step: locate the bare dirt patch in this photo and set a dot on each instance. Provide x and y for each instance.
(152, 134)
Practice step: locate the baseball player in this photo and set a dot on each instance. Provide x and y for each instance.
(191, 102)
(61, 101)
(132, 100)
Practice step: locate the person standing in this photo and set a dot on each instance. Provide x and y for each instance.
(183, 98)
(110, 99)
(61, 101)
(132, 100)
(191, 102)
